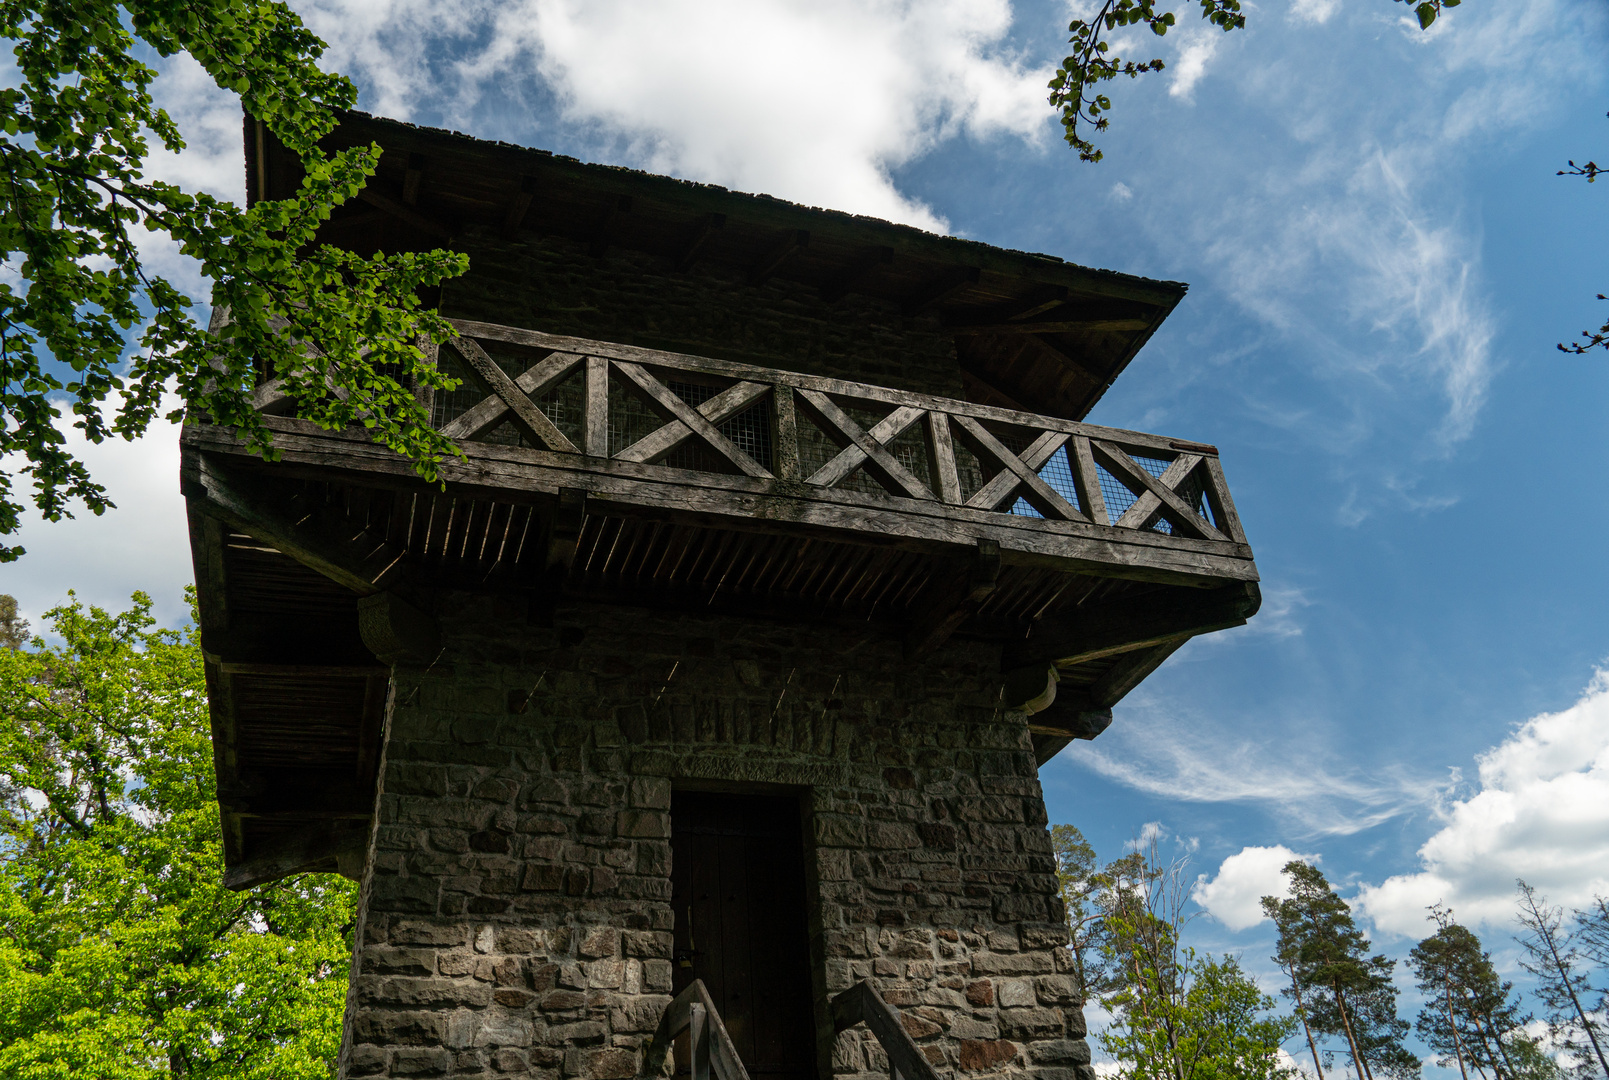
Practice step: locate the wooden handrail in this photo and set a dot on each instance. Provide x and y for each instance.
(862, 1003)
(714, 1057)
(1190, 495)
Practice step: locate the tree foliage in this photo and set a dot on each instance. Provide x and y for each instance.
(1343, 990)
(122, 956)
(1471, 1017)
(1075, 89)
(76, 120)
(1176, 1015)
(1562, 968)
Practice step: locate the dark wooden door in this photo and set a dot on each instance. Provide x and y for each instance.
(738, 890)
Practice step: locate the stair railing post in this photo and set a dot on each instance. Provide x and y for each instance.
(698, 1042)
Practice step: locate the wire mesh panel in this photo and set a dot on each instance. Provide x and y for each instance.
(1058, 473)
(749, 430)
(816, 448)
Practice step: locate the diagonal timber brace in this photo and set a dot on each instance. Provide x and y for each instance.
(955, 601)
(1128, 625)
(391, 619)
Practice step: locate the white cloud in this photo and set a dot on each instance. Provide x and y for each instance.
(1234, 896)
(1541, 813)
(142, 544)
(1199, 47)
(1317, 12)
(814, 102)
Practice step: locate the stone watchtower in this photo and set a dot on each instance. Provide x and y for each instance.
(709, 695)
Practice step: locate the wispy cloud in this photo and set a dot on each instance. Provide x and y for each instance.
(1166, 753)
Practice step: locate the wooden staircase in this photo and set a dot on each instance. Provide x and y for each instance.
(714, 1058)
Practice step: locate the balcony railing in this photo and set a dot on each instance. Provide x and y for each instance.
(648, 428)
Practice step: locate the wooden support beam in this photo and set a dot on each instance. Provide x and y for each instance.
(1053, 326)
(707, 226)
(793, 241)
(1132, 669)
(956, 598)
(332, 800)
(396, 631)
(864, 266)
(1124, 625)
(564, 525)
(717, 410)
(412, 177)
(604, 232)
(1042, 299)
(378, 199)
(952, 281)
(1007, 398)
(536, 380)
(346, 555)
(340, 846)
(1071, 716)
(519, 206)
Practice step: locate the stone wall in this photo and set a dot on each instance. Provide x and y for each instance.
(554, 285)
(516, 907)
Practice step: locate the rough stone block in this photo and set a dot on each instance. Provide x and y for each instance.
(644, 824)
(1016, 993)
(978, 1055)
(1029, 1024)
(839, 831)
(1059, 1052)
(650, 793)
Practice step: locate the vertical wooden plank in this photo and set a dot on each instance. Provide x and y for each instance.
(426, 395)
(1223, 506)
(787, 433)
(595, 430)
(735, 999)
(699, 1041)
(1088, 480)
(941, 451)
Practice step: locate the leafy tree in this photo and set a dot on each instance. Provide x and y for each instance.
(1176, 1015)
(1216, 1025)
(1075, 88)
(344, 333)
(13, 630)
(1342, 990)
(1078, 882)
(1471, 1016)
(1558, 965)
(1590, 339)
(122, 956)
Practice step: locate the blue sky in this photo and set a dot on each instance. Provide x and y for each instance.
(1381, 260)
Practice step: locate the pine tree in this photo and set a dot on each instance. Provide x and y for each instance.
(1341, 990)
(1557, 963)
(1471, 1016)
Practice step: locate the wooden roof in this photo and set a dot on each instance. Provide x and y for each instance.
(1032, 332)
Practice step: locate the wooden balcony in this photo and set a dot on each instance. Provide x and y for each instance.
(601, 473)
